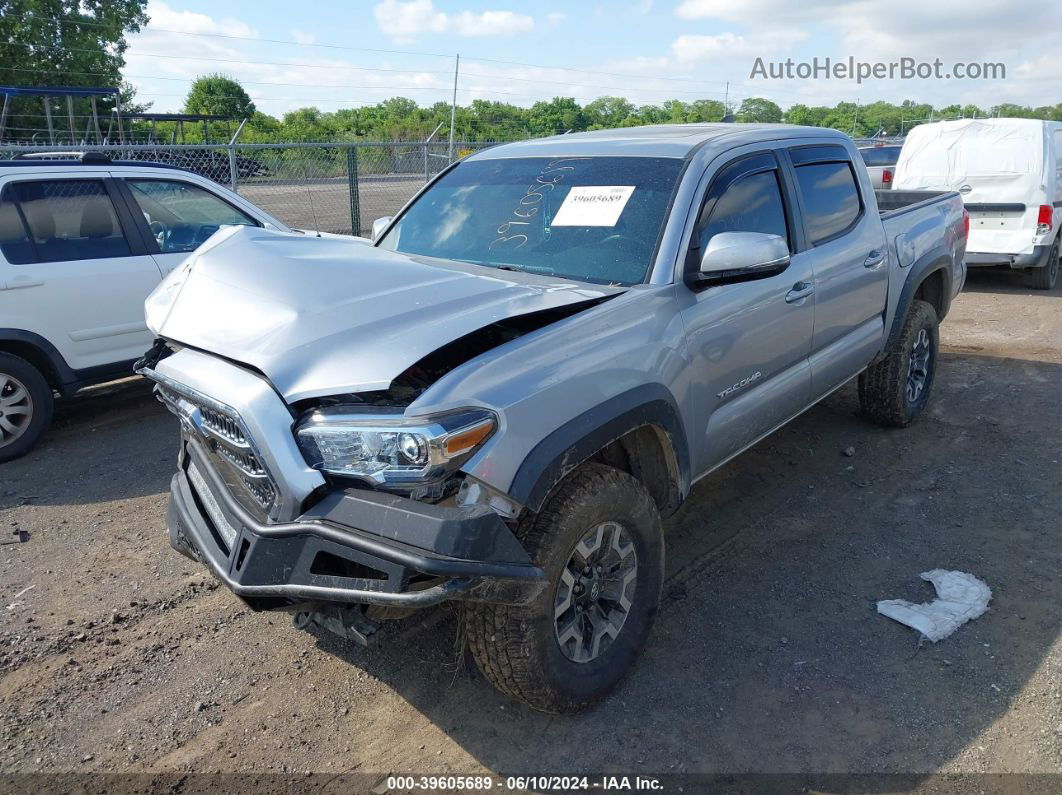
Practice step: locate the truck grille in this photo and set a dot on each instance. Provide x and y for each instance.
(222, 432)
(222, 425)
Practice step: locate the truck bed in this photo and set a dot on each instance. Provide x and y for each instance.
(894, 202)
(917, 224)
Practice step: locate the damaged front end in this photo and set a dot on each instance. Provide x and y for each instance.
(366, 438)
(305, 483)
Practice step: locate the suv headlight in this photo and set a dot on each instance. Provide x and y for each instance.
(390, 449)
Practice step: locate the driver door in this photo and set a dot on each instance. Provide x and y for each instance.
(180, 216)
(749, 342)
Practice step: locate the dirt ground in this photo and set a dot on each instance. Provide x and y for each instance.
(117, 654)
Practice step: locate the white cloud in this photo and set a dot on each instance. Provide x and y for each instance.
(162, 16)
(752, 11)
(695, 62)
(404, 20)
(870, 31)
(491, 23)
(301, 36)
(691, 48)
(873, 30)
(162, 64)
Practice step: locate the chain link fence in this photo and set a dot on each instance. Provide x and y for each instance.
(332, 187)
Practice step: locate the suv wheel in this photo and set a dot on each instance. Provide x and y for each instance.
(896, 390)
(600, 542)
(1044, 278)
(25, 406)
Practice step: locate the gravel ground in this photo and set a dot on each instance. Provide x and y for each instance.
(116, 654)
(325, 204)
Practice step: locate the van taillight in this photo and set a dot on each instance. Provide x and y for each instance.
(965, 223)
(1044, 221)
(886, 177)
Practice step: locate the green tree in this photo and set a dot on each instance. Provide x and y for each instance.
(807, 116)
(558, 115)
(1012, 111)
(65, 43)
(218, 95)
(758, 109)
(706, 110)
(607, 112)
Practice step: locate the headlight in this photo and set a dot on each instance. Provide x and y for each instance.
(390, 449)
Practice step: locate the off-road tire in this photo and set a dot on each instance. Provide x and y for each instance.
(883, 395)
(41, 401)
(516, 647)
(1044, 278)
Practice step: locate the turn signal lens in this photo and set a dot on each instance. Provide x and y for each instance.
(469, 438)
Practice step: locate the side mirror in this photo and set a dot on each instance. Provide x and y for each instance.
(738, 256)
(379, 225)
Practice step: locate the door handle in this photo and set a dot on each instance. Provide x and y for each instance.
(874, 258)
(800, 291)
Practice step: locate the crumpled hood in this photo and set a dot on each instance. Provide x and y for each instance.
(323, 316)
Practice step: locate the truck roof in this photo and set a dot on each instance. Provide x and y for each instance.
(657, 140)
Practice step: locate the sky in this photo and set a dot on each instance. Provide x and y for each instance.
(335, 54)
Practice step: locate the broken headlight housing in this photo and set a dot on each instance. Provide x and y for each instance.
(414, 455)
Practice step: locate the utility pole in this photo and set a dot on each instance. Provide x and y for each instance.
(726, 99)
(453, 110)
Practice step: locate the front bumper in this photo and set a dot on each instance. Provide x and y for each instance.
(352, 547)
(1036, 259)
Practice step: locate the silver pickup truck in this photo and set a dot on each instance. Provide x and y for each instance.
(499, 400)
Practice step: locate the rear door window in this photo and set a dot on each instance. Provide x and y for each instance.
(15, 244)
(60, 220)
(830, 198)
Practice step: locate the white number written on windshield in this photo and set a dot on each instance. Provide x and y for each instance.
(513, 232)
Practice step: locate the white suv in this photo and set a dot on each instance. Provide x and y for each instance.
(82, 243)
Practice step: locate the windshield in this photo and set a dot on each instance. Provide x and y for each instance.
(594, 219)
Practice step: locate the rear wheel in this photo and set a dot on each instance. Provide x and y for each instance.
(896, 390)
(25, 406)
(1045, 278)
(599, 541)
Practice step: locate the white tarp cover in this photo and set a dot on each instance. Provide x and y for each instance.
(991, 161)
(956, 150)
(961, 597)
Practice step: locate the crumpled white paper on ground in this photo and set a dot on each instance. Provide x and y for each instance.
(961, 597)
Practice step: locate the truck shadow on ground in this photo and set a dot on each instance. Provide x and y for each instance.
(768, 655)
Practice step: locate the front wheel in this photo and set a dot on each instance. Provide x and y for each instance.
(895, 391)
(25, 406)
(600, 542)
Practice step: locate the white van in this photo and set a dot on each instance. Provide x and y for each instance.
(1009, 172)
